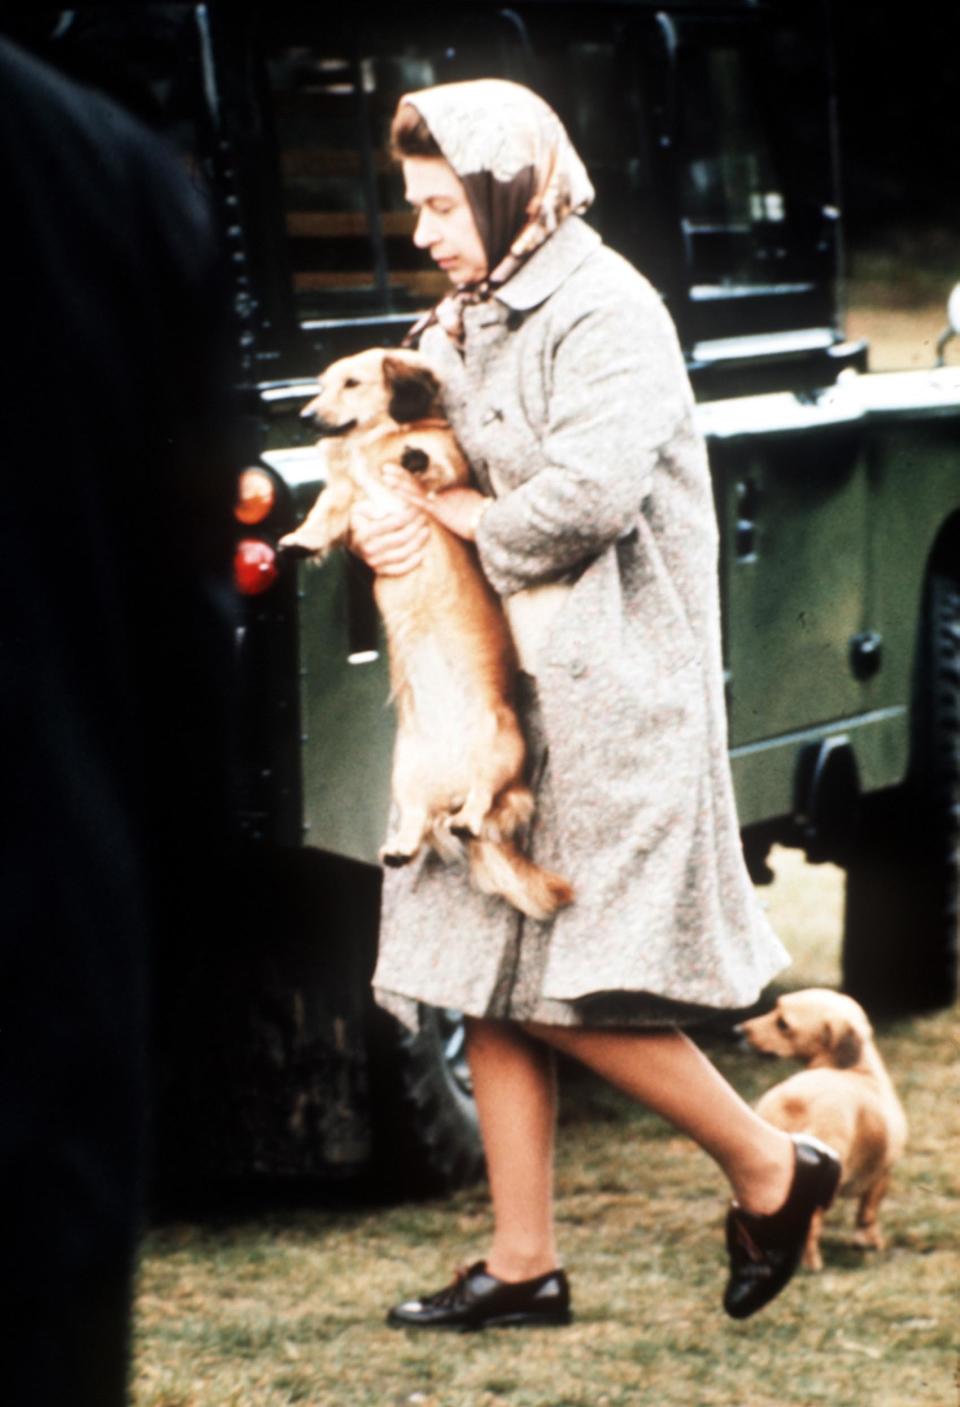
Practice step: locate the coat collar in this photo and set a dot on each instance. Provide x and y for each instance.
(550, 266)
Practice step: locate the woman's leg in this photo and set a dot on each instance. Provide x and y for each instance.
(665, 1071)
(515, 1089)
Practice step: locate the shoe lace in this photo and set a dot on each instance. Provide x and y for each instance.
(747, 1243)
(449, 1296)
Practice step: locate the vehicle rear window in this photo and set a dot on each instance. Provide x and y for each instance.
(335, 90)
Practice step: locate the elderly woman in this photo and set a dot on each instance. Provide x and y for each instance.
(593, 520)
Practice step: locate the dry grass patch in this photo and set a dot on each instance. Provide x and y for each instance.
(288, 1308)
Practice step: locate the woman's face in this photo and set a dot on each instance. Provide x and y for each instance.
(445, 226)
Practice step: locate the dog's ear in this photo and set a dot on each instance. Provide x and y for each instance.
(846, 1046)
(414, 390)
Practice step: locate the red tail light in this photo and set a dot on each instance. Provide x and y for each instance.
(256, 495)
(254, 566)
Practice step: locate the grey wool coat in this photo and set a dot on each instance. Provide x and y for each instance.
(571, 397)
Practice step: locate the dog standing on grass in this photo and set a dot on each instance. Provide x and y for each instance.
(844, 1096)
(459, 757)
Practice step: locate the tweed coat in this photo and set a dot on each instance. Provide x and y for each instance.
(571, 397)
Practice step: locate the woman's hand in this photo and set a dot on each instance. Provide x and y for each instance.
(458, 509)
(391, 541)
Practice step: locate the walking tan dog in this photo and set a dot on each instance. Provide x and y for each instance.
(844, 1097)
(459, 756)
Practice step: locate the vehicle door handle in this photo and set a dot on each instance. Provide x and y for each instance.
(866, 654)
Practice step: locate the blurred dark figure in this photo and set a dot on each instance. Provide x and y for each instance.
(114, 657)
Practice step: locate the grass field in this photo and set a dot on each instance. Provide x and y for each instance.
(287, 1308)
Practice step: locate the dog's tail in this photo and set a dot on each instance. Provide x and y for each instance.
(497, 866)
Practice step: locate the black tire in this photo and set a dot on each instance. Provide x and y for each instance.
(426, 1131)
(903, 877)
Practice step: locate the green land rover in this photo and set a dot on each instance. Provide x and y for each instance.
(708, 130)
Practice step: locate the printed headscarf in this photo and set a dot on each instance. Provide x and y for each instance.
(520, 172)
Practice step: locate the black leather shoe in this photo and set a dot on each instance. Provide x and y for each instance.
(765, 1250)
(477, 1299)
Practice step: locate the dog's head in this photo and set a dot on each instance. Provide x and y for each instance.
(816, 1026)
(378, 384)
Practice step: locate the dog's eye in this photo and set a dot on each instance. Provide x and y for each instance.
(783, 1024)
(351, 381)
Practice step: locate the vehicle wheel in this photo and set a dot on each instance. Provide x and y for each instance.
(903, 878)
(426, 1132)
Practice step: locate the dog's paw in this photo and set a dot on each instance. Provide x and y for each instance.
(870, 1238)
(395, 857)
(469, 821)
(293, 550)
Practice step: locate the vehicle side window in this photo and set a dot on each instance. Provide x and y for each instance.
(747, 131)
(583, 64)
(348, 225)
(729, 178)
(746, 220)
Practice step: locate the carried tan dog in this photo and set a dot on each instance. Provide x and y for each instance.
(459, 757)
(844, 1096)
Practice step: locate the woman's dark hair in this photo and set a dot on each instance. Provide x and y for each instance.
(410, 135)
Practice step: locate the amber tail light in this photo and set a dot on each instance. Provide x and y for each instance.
(256, 497)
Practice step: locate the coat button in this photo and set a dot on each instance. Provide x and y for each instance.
(578, 668)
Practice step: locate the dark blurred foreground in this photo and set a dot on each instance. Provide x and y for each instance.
(114, 550)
